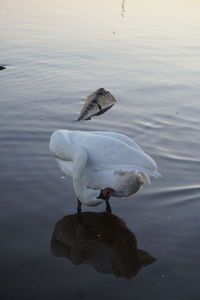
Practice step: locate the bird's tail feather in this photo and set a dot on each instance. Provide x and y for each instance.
(149, 172)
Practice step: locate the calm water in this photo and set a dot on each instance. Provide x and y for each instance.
(56, 53)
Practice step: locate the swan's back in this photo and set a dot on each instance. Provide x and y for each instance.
(108, 150)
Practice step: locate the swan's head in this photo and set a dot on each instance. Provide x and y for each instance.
(105, 193)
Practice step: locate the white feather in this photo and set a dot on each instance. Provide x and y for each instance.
(97, 160)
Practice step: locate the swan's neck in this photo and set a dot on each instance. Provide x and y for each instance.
(79, 165)
(86, 195)
(79, 187)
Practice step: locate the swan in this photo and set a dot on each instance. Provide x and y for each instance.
(101, 164)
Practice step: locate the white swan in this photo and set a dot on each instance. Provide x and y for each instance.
(101, 164)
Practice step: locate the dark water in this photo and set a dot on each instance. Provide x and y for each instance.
(57, 53)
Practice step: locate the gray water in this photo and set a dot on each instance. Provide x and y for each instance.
(56, 53)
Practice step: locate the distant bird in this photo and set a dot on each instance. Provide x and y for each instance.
(101, 164)
(96, 104)
(2, 67)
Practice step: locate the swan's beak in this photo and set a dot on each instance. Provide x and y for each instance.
(105, 194)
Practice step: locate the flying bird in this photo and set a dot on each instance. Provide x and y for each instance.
(101, 164)
(96, 104)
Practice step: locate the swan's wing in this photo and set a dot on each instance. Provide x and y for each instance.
(120, 137)
(106, 152)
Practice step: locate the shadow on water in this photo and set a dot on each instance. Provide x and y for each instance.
(101, 240)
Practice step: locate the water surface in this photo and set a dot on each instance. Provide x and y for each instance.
(56, 53)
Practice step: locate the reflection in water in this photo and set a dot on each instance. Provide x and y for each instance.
(101, 240)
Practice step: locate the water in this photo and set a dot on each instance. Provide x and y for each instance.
(56, 53)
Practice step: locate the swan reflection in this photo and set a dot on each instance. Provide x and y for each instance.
(101, 240)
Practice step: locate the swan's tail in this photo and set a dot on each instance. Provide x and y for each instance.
(147, 172)
(145, 178)
(144, 175)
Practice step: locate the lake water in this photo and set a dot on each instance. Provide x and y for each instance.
(147, 54)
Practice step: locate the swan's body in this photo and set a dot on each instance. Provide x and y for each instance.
(99, 160)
